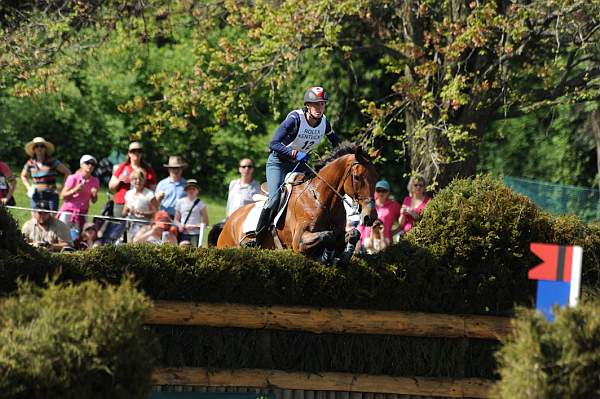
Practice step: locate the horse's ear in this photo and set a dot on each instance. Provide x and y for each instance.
(359, 153)
(375, 154)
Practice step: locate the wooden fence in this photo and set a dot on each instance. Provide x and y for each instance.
(330, 320)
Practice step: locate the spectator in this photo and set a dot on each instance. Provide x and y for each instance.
(88, 237)
(414, 204)
(157, 233)
(139, 201)
(43, 169)
(192, 211)
(8, 184)
(79, 189)
(120, 180)
(171, 188)
(43, 230)
(376, 241)
(388, 211)
(241, 190)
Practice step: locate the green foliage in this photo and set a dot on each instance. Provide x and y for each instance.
(469, 254)
(75, 341)
(557, 145)
(11, 239)
(481, 231)
(552, 360)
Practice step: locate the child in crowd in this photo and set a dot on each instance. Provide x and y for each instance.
(190, 212)
(160, 232)
(139, 202)
(88, 238)
(376, 241)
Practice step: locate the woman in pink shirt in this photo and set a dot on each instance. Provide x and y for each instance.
(79, 189)
(413, 205)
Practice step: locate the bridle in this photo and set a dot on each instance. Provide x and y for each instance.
(356, 198)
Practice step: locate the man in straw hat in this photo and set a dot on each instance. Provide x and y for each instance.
(171, 188)
(43, 170)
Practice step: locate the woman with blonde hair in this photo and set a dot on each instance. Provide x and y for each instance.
(414, 204)
(120, 180)
(140, 202)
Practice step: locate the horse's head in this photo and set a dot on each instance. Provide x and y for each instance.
(359, 184)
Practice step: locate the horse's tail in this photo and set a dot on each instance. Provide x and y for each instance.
(213, 234)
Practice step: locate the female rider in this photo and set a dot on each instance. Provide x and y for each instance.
(301, 130)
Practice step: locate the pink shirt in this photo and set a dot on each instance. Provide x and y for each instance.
(79, 201)
(410, 221)
(388, 213)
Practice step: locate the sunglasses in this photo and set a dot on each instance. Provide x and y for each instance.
(90, 163)
(418, 185)
(137, 151)
(381, 190)
(247, 166)
(39, 146)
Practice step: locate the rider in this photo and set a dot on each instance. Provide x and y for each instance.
(301, 130)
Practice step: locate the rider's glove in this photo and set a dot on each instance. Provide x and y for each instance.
(302, 156)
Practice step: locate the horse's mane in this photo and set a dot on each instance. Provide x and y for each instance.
(344, 148)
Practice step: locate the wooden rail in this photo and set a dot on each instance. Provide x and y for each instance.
(329, 320)
(346, 382)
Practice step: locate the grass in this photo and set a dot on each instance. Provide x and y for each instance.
(216, 206)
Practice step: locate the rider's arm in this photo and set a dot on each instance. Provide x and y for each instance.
(285, 134)
(333, 138)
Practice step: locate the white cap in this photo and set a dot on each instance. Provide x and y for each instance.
(87, 158)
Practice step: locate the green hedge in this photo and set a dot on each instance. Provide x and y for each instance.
(552, 360)
(75, 341)
(469, 254)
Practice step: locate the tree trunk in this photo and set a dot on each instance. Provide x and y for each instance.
(594, 119)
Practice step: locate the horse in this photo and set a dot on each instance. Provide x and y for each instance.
(315, 217)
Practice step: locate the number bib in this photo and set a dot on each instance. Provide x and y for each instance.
(307, 136)
(3, 183)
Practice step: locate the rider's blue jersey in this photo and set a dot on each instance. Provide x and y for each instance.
(288, 130)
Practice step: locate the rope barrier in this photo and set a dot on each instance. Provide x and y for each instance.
(203, 227)
(109, 218)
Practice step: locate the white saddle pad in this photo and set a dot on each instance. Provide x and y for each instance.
(251, 220)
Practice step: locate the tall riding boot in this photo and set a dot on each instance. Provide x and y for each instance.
(262, 228)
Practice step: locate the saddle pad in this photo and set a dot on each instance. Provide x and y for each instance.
(251, 220)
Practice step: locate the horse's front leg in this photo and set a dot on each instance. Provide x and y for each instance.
(318, 244)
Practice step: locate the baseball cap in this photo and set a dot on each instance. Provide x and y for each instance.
(162, 219)
(42, 205)
(87, 158)
(383, 184)
(191, 183)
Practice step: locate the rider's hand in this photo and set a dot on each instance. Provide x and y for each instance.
(302, 156)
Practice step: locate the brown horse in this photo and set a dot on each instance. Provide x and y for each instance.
(315, 218)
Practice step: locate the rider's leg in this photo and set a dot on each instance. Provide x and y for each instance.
(275, 171)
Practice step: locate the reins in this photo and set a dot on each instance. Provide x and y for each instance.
(336, 192)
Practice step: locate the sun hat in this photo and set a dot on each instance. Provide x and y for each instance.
(87, 158)
(191, 183)
(39, 140)
(135, 145)
(383, 184)
(175, 161)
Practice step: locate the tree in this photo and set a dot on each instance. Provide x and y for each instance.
(456, 65)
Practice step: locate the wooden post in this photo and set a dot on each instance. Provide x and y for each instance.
(339, 382)
(329, 320)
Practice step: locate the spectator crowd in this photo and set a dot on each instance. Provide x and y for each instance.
(144, 209)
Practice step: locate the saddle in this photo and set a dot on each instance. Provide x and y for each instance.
(249, 225)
